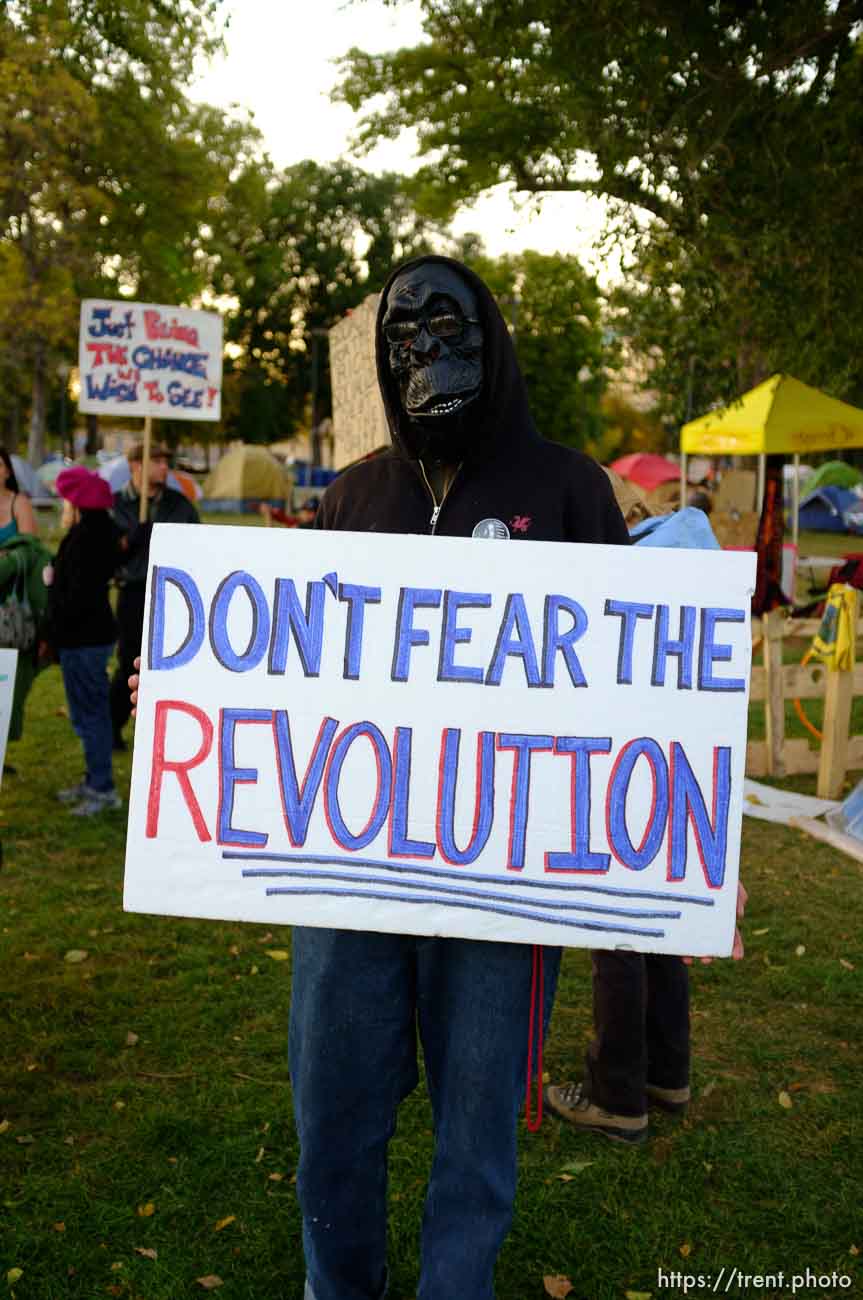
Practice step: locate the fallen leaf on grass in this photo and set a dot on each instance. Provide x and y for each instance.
(708, 1089)
(223, 1223)
(278, 954)
(147, 1252)
(209, 1282)
(557, 1286)
(686, 1250)
(847, 965)
(234, 950)
(800, 950)
(785, 1100)
(117, 1266)
(76, 955)
(765, 931)
(147, 1210)
(59, 1227)
(5, 1126)
(564, 1178)
(259, 1157)
(853, 1250)
(276, 1178)
(131, 1039)
(639, 1295)
(577, 1166)
(25, 1140)
(14, 1275)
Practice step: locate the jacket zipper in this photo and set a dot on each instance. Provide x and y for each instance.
(437, 505)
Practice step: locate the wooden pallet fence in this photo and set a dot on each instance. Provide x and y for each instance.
(775, 683)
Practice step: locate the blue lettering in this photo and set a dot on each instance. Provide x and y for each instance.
(400, 844)
(711, 653)
(554, 640)
(194, 638)
(453, 635)
(683, 648)
(687, 804)
(357, 598)
(260, 634)
(407, 636)
(514, 638)
(628, 612)
(230, 776)
(615, 804)
(483, 817)
(336, 822)
(580, 857)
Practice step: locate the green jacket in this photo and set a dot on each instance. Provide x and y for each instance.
(27, 556)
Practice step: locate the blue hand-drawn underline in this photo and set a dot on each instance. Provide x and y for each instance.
(440, 873)
(352, 878)
(453, 902)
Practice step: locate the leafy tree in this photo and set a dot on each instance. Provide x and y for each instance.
(554, 310)
(105, 169)
(725, 135)
(295, 250)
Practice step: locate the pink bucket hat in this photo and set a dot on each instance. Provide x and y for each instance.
(84, 488)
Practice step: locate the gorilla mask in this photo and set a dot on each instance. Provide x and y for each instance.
(435, 346)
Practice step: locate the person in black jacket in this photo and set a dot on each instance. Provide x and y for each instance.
(466, 461)
(81, 629)
(165, 506)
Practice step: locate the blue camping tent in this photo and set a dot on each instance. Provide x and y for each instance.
(832, 510)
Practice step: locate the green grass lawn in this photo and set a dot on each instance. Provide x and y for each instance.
(146, 1138)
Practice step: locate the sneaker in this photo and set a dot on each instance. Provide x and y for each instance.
(73, 793)
(674, 1100)
(95, 802)
(571, 1102)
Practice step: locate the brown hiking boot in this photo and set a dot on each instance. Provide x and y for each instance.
(570, 1102)
(674, 1100)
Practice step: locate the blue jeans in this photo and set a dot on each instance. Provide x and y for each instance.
(358, 1000)
(85, 678)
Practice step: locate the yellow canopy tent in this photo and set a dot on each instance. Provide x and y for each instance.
(779, 416)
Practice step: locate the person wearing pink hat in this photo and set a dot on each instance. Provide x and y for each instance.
(82, 631)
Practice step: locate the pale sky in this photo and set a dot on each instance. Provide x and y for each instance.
(279, 66)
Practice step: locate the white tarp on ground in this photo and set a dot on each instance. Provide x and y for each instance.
(772, 805)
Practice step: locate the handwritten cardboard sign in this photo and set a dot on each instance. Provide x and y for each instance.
(526, 741)
(140, 358)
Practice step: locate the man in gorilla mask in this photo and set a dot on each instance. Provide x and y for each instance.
(466, 460)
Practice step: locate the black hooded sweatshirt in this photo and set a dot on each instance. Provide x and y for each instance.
(540, 490)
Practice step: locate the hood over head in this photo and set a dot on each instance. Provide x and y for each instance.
(498, 417)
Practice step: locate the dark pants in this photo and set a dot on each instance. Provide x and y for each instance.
(85, 678)
(358, 1002)
(130, 632)
(641, 1024)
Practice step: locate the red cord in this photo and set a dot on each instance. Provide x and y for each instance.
(536, 1017)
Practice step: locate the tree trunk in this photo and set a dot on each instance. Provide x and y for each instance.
(36, 440)
(94, 440)
(14, 427)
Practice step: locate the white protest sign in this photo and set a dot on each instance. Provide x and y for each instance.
(138, 358)
(8, 669)
(523, 741)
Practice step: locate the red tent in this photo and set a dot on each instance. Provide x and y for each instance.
(646, 469)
